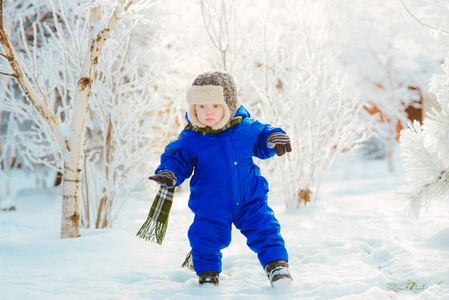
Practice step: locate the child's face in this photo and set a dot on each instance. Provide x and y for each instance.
(209, 114)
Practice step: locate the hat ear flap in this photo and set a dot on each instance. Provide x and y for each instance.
(193, 118)
(225, 119)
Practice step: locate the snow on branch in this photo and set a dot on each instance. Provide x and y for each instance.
(440, 29)
(22, 78)
(306, 93)
(425, 150)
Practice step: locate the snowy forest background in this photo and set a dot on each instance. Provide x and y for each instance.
(340, 77)
(336, 75)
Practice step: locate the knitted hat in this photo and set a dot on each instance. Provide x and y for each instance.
(213, 88)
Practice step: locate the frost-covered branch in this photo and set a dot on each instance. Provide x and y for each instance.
(439, 29)
(229, 25)
(120, 127)
(23, 81)
(425, 150)
(307, 94)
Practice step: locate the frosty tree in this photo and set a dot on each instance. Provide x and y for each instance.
(122, 130)
(425, 150)
(62, 108)
(391, 56)
(231, 26)
(305, 92)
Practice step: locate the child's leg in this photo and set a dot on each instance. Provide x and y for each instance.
(257, 222)
(207, 238)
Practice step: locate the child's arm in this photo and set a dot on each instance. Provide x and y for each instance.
(176, 165)
(272, 141)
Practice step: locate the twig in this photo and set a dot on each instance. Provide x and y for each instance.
(419, 21)
(27, 31)
(8, 74)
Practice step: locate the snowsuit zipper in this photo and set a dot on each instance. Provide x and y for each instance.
(239, 198)
(228, 181)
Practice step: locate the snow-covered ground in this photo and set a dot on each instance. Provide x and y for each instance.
(355, 243)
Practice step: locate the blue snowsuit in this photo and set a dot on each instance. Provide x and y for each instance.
(226, 188)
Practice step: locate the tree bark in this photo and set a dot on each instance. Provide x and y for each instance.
(72, 175)
(71, 184)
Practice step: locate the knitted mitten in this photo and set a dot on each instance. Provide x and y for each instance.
(280, 142)
(164, 177)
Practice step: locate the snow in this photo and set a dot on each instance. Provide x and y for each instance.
(97, 27)
(64, 130)
(355, 243)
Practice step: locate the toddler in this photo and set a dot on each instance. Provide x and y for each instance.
(226, 188)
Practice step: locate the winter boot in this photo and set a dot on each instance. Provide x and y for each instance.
(210, 277)
(277, 272)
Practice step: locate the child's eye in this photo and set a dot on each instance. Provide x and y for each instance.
(216, 106)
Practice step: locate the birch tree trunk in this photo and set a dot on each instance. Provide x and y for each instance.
(72, 152)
